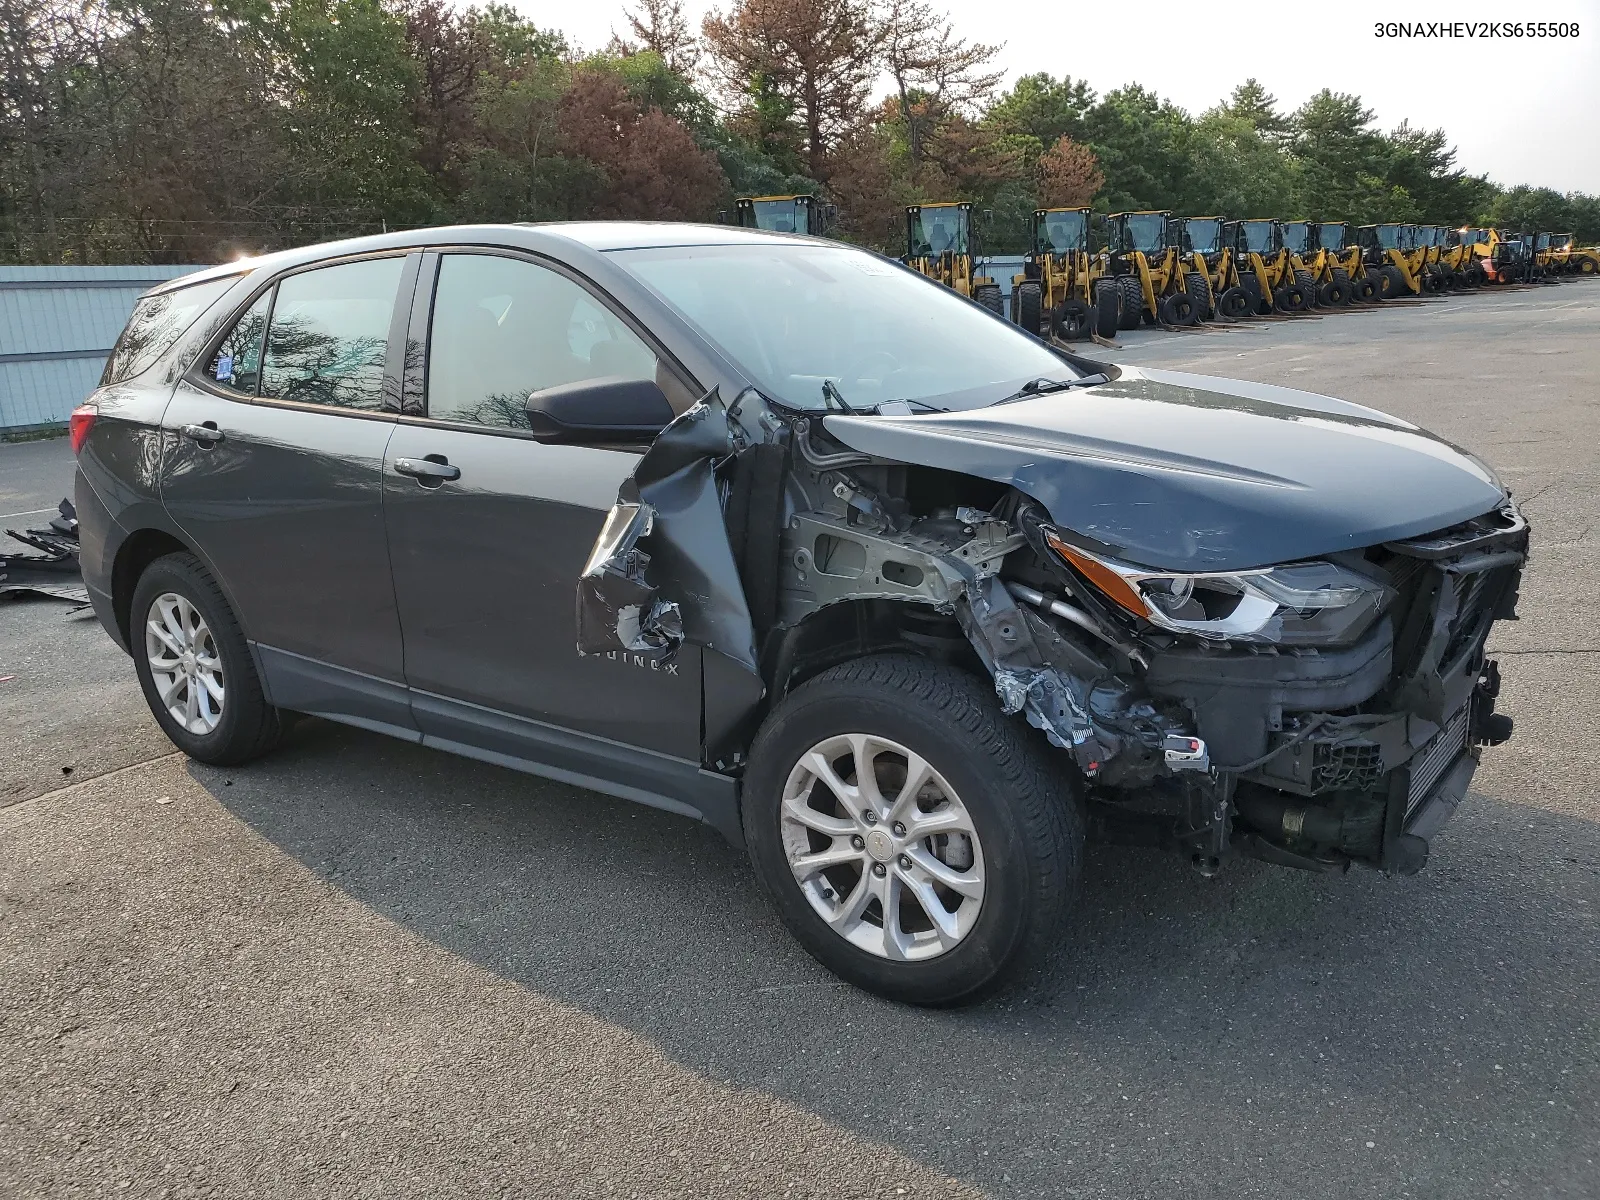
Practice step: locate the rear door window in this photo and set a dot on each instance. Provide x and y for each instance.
(237, 362)
(157, 322)
(330, 333)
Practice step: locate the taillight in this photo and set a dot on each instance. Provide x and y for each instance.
(79, 424)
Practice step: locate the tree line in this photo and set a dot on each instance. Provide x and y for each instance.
(196, 130)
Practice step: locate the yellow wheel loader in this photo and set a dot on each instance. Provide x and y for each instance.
(1207, 262)
(1457, 260)
(781, 214)
(939, 244)
(1312, 265)
(1144, 260)
(1061, 292)
(1575, 259)
(1342, 262)
(1390, 254)
(1265, 267)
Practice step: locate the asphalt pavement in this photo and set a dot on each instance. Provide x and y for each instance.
(361, 968)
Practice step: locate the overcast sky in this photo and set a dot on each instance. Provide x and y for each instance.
(1518, 110)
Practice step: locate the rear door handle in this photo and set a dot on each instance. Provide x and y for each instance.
(206, 435)
(430, 471)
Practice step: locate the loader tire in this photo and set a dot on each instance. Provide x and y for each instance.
(1029, 307)
(1341, 274)
(989, 296)
(1335, 293)
(1072, 320)
(1107, 308)
(1431, 283)
(1234, 303)
(1178, 309)
(1132, 301)
(1199, 289)
(1290, 298)
(1308, 285)
(1587, 266)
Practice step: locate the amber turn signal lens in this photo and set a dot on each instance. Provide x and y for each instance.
(1113, 586)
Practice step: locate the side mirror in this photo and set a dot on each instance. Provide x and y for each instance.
(609, 411)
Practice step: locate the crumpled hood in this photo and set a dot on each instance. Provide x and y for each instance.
(1178, 471)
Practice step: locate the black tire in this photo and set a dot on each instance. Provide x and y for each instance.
(1392, 283)
(1073, 319)
(989, 296)
(1340, 274)
(1430, 283)
(1365, 289)
(1335, 293)
(1587, 266)
(1132, 301)
(248, 726)
(1022, 798)
(1234, 303)
(1260, 302)
(1107, 308)
(1178, 309)
(1308, 285)
(1029, 307)
(1199, 289)
(1290, 298)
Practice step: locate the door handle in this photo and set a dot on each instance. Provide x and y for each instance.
(430, 471)
(206, 435)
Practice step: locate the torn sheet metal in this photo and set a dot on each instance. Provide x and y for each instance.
(1002, 633)
(662, 571)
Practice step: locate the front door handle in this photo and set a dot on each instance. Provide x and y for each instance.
(429, 472)
(206, 435)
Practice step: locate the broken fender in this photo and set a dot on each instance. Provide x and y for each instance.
(662, 570)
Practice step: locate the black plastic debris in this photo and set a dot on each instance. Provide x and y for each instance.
(50, 566)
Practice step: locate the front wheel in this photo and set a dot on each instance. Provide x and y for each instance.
(194, 666)
(919, 843)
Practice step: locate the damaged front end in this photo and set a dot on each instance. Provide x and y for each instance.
(1315, 714)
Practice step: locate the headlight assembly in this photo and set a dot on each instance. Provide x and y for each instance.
(1305, 603)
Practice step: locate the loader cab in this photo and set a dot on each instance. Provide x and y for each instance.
(1332, 236)
(1300, 237)
(783, 214)
(1060, 230)
(1258, 237)
(1143, 232)
(1199, 235)
(937, 229)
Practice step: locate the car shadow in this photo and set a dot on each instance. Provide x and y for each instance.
(1435, 1034)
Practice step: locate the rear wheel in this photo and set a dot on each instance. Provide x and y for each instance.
(1107, 308)
(1132, 301)
(1392, 283)
(1290, 298)
(1335, 293)
(194, 667)
(1234, 303)
(1365, 289)
(917, 842)
(1178, 309)
(1072, 319)
(1587, 266)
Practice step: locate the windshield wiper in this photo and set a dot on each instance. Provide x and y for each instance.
(1040, 387)
(830, 391)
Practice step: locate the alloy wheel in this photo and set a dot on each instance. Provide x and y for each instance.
(882, 847)
(184, 663)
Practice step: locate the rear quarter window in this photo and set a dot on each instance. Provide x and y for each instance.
(157, 322)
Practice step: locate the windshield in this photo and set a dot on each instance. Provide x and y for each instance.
(937, 230)
(1564, 241)
(1542, 242)
(1389, 237)
(1203, 234)
(793, 316)
(1063, 232)
(1296, 236)
(1331, 236)
(1260, 237)
(780, 216)
(1474, 237)
(1147, 232)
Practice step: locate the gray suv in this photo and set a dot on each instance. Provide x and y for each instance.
(774, 533)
